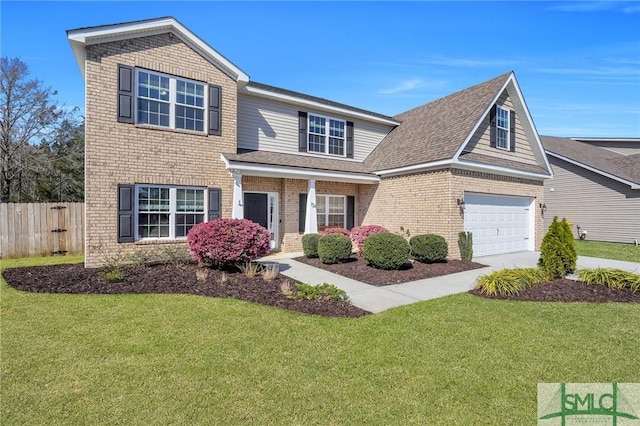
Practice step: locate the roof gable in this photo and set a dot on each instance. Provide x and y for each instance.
(435, 131)
(81, 37)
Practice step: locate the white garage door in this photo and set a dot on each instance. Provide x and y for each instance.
(499, 223)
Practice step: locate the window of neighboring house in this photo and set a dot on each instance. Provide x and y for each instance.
(168, 212)
(326, 135)
(169, 101)
(331, 211)
(502, 128)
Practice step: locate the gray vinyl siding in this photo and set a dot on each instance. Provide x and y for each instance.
(272, 126)
(480, 142)
(608, 210)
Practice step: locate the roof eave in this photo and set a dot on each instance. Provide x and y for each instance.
(290, 172)
(632, 184)
(500, 170)
(307, 103)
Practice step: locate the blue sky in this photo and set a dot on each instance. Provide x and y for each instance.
(578, 63)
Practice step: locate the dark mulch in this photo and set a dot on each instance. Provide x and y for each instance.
(166, 279)
(565, 290)
(358, 269)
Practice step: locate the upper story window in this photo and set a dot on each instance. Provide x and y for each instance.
(502, 128)
(326, 135)
(169, 101)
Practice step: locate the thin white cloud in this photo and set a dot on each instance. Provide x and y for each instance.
(613, 73)
(469, 62)
(596, 6)
(404, 86)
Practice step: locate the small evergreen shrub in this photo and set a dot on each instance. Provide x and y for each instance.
(510, 281)
(334, 248)
(223, 243)
(320, 292)
(310, 245)
(360, 233)
(558, 254)
(342, 231)
(465, 243)
(386, 250)
(429, 248)
(612, 278)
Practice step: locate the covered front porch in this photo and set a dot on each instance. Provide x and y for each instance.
(293, 201)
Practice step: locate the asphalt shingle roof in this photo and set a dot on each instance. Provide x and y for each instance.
(623, 166)
(436, 130)
(300, 161)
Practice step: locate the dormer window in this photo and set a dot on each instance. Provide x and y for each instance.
(326, 135)
(502, 128)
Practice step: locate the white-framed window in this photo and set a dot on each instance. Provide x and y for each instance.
(166, 212)
(326, 135)
(502, 128)
(331, 211)
(168, 101)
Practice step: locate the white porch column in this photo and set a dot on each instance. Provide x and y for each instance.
(237, 212)
(311, 218)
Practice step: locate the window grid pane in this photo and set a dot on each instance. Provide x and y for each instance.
(184, 222)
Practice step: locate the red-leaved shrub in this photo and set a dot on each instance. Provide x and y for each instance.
(360, 233)
(342, 231)
(223, 243)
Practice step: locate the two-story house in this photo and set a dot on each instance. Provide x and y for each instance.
(176, 135)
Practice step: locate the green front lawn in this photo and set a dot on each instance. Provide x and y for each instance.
(616, 251)
(183, 359)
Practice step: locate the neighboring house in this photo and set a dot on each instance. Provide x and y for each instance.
(596, 186)
(176, 134)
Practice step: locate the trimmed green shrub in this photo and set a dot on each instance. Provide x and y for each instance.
(386, 250)
(320, 292)
(465, 243)
(334, 248)
(612, 278)
(310, 245)
(558, 254)
(510, 281)
(429, 248)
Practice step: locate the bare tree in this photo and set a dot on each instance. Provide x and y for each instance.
(27, 114)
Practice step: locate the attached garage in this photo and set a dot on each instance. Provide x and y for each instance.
(499, 223)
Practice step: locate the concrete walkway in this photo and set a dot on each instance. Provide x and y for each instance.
(378, 299)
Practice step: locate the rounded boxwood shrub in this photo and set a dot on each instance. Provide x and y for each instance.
(386, 250)
(429, 248)
(223, 243)
(360, 233)
(334, 248)
(310, 245)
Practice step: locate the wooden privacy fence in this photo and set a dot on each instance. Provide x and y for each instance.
(41, 229)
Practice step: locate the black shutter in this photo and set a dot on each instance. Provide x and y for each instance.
(351, 204)
(215, 115)
(125, 213)
(215, 197)
(302, 212)
(512, 131)
(302, 129)
(492, 127)
(349, 139)
(125, 94)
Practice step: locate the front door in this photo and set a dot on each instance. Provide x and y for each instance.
(262, 208)
(255, 208)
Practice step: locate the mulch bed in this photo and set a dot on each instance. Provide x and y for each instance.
(165, 279)
(565, 290)
(358, 269)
